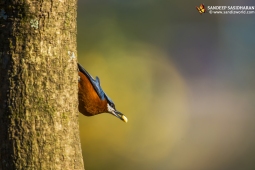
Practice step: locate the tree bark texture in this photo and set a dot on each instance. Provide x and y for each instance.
(39, 85)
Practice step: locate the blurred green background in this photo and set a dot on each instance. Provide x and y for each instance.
(185, 81)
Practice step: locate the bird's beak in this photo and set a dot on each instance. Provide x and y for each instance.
(120, 116)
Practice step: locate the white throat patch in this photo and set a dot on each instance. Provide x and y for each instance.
(110, 109)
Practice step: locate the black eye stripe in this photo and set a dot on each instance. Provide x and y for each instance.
(112, 105)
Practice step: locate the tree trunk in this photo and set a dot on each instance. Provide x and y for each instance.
(39, 85)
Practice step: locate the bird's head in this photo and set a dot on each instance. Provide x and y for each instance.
(112, 110)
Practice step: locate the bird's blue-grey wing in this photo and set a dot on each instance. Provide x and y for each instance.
(94, 82)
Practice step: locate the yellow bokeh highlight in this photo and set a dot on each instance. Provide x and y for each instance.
(149, 90)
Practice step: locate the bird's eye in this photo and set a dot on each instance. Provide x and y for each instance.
(112, 105)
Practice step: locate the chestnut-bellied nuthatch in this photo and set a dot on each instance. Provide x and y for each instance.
(92, 99)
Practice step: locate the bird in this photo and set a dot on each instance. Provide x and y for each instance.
(92, 98)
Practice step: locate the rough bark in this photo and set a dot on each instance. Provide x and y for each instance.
(38, 85)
